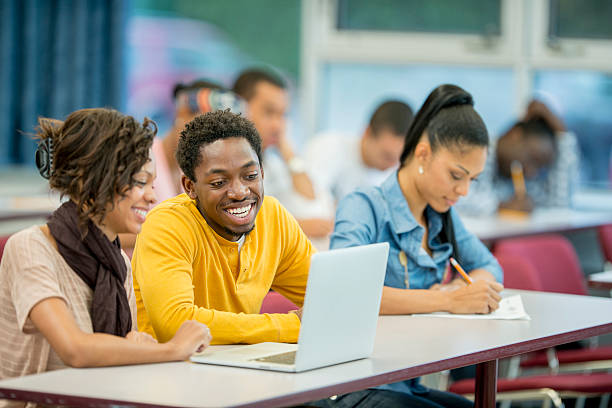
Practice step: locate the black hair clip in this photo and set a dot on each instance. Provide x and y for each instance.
(44, 157)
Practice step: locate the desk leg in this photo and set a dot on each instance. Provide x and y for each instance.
(486, 384)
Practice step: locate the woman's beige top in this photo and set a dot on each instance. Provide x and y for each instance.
(33, 270)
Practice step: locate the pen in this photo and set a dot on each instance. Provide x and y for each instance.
(459, 269)
(403, 259)
(518, 179)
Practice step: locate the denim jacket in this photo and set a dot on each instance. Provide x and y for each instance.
(381, 214)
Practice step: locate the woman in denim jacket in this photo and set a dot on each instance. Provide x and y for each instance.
(445, 150)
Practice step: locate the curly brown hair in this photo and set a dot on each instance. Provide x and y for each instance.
(96, 153)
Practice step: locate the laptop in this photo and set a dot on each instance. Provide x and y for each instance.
(339, 318)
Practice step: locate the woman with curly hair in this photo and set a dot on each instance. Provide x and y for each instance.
(66, 295)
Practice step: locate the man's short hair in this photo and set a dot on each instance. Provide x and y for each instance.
(247, 81)
(193, 86)
(393, 115)
(208, 128)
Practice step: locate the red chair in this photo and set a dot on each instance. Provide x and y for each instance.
(605, 239)
(592, 358)
(546, 387)
(553, 258)
(274, 302)
(3, 240)
(531, 264)
(549, 263)
(519, 273)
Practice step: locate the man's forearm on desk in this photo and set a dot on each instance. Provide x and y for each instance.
(232, 328)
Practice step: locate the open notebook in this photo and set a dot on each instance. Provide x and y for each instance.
(510, 308)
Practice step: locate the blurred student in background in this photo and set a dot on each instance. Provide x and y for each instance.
(286, 177)
(340, 163)
(544, 158)
(190, 99)
(66, 287)
(445, 149)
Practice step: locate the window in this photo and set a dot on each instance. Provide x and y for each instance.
(440, 16)
(350, 92)
(505, 52)
(583, 99)
(580, 19)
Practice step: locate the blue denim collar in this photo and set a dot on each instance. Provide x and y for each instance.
(401, 217)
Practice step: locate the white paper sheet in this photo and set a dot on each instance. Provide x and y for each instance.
(510, 308)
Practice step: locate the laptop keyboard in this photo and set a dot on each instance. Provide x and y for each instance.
(282, 358)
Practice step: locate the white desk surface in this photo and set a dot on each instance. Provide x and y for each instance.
(405, 347)
(590, 208)
(540, 221)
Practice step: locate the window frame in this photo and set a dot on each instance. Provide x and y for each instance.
(522, 46)
(565, 53)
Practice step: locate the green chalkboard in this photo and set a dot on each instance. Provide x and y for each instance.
(267, 30)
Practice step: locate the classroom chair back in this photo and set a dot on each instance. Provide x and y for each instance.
(274, 302)
(605, 239)
(519, 273)
(3, 240)
(553, 259)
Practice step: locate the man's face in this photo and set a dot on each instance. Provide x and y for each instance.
(382, 151)
(229, 186)
(267, 108)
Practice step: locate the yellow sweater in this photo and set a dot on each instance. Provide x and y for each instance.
(183, 270)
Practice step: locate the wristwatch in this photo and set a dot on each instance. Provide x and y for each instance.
(296, 165)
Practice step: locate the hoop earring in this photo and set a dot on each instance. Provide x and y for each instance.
(421, 170)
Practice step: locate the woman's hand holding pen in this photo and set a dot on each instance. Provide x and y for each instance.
(481, 296)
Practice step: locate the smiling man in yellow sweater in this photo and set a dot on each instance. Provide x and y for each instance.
(213, 253)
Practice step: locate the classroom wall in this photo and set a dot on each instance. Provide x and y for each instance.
(267, 30)
(180, 41)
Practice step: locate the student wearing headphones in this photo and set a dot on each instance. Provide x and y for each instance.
(190, 100)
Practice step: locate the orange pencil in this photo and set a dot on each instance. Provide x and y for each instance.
(518, 179)
(459, 269)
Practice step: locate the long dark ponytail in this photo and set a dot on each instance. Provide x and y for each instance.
(449, 119)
